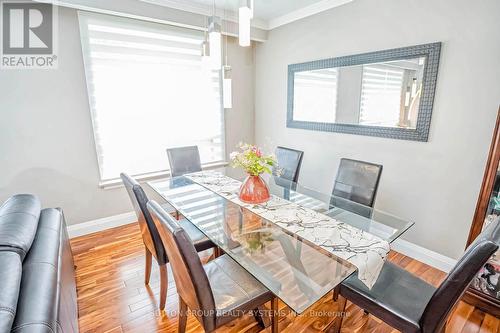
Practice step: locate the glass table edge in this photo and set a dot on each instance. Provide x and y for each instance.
(401, 232)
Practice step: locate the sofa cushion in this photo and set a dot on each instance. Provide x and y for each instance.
(10, 279)
(38, 304)
(18, 223)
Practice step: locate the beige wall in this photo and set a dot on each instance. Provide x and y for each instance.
(47, 145)
(436, 183)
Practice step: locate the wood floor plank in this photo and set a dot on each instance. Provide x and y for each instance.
(112, 297)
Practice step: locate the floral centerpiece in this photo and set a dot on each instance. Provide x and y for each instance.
(251, 159)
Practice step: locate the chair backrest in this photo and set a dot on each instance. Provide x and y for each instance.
(289, 162)
(357, 181)
(183, 160)
(150, 235)
(191, 280)
(459, 278)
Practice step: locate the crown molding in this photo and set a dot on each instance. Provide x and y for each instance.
(304, 12)
(232, 16)
(201, 9)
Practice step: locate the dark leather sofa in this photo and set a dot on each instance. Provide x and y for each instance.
(37, 275)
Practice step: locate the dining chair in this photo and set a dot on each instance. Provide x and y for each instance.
(151, 238)
(289, 162)
(217, 292)
(356, 186)
(183, 160)
(411, 305)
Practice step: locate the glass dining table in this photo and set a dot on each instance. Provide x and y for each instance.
(293, 268)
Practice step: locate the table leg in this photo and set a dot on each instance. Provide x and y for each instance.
(341, 301)
(275, 315)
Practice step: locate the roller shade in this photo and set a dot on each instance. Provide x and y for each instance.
(148, 90)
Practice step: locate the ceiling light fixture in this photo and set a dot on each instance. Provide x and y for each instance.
(227, 91)
(251, 8)
(205, 48)
(215, 40)
(245, 14)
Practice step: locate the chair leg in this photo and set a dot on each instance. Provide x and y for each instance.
(147, 273)
(182, 316)
(163, 286)
(274, 315)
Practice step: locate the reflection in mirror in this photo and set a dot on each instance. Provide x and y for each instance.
(383, 94)
(315, 95)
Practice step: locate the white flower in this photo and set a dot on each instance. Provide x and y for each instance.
(233, 155)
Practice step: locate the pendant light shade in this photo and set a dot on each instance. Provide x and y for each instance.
(205, 49)
(250, 3)
(215, 40)
(227, 89)
(205, 55)
(244, 17)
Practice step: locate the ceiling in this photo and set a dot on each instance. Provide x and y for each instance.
(264, 9)
(268, 14)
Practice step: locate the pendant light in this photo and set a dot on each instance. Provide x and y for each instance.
(227, 91)
(245, 14)
(205, 49)
(215, 40)
(250, 3)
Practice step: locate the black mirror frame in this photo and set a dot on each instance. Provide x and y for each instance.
(421, 133)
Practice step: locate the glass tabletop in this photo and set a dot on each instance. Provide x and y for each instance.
(294, 269)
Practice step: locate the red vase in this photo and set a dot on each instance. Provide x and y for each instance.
(254, 190)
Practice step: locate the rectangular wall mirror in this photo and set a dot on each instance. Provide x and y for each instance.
(385, 93)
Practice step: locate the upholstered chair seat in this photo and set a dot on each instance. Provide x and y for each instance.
(233, 288)
(398, 297)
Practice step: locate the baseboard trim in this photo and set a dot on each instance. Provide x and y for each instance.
(402, 246)
(109, 222)
(424, 255)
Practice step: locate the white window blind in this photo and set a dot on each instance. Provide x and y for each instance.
(148, 90)
(381, 95)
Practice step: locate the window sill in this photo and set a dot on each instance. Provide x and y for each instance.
(117, 182)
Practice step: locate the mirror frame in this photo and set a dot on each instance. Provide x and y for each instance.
(421, 133)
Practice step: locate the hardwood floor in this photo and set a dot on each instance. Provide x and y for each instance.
(112, 296)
